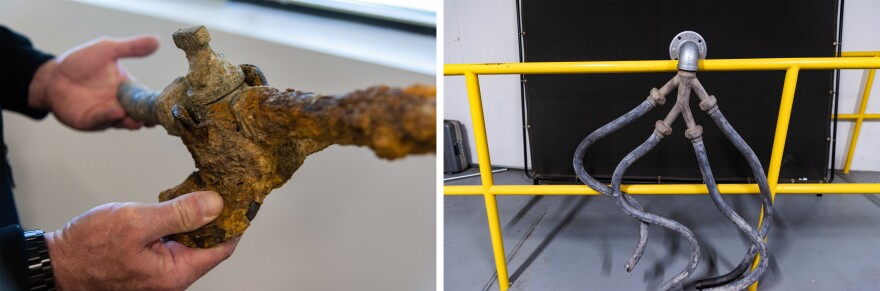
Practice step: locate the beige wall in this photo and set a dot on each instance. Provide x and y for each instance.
(346, 221)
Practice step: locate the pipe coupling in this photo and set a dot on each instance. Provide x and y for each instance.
(695, 134)
(656, 98)
(710, 105)
(661, 129)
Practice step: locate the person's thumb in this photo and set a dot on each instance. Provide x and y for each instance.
(137, 46)
(185, 213)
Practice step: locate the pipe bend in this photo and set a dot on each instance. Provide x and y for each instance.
(688, 56)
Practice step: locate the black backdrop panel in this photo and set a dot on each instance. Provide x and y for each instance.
(563, 109)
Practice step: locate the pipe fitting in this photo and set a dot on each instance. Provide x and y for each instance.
(661, 129)
(688, 57)
(688, 48)
(710, 105)
(695, 134)
(210, 75)
(686, 76)
(656, 98)
(669, 86)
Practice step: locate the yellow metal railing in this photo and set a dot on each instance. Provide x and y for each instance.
(489, 191)
(861, 116)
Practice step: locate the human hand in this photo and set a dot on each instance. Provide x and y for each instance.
(79, 87)
(120, 246)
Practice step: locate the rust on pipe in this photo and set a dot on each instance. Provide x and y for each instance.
(393, 122)
(247, 138)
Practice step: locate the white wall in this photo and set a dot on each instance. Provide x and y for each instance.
(859, 34)
(484, 31)
(346, 221)
(481, 31)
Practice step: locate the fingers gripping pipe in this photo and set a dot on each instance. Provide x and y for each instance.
(688, 47)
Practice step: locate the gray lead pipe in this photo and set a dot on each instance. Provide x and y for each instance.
(657, 97)
(138, 102)
(757, 241)
(585, 177)
(632, 157)
(153, 107)
(709, 104)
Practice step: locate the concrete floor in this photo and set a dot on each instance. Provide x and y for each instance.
(582, 242)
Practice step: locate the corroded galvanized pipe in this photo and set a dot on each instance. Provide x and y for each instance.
(247, 139)
(393, 122)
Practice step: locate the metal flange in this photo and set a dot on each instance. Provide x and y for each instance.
(681, 38)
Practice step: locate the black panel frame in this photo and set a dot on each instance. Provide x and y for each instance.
(562, 109)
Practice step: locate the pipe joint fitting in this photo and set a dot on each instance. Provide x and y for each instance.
(710, 105)
(661, 129)
(686, 75)
(695, 134)
(656, 98)
(210, 75)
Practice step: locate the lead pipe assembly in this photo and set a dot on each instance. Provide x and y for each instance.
(688, 48)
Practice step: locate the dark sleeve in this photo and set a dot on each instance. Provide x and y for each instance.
(19, 62)
(13, 266)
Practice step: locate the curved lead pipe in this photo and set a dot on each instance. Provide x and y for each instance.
(656, 98)
(650, 143)
(685, 82)
(640, 110)
(757, 241)
(709, 104)
(600, 133)
(761, 178)
(581, 172)
(643, 238)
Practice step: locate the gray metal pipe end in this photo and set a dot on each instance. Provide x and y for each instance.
(688, 48)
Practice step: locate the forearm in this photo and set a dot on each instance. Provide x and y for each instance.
(38, 96)
(21, 61)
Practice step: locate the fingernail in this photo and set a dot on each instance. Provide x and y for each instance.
(210, 203)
